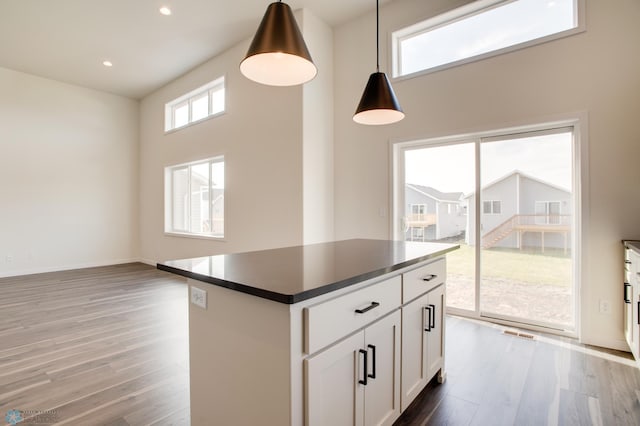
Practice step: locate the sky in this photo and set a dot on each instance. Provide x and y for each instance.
(452, 168)
(512, 23)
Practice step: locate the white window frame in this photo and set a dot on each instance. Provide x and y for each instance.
(473, 8)
(578, 123)
(544, 219)
(208, 90)
(492, 205)
(169, 228)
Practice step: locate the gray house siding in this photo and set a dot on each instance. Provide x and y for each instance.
(526, 196)
(449, 215)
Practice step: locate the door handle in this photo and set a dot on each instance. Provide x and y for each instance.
(368, 308)
(373, 375)
(430, 277)
(627, 297)
(432, 313)
(427, 313)
(366, 370)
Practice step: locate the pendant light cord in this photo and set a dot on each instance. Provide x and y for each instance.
(377, 36)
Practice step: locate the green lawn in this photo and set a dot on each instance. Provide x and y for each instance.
(512, 265)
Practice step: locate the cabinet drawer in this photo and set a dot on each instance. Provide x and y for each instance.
(333, 319)
(420, 280)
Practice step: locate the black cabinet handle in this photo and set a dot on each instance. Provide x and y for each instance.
(432, 314)
(639, 313)
(627, 298)
(373, 375)
(628, 262)
(366, 355)
(427, 312)
(430, 277)
(368, 308)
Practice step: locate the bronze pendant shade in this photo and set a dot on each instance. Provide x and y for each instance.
(378, 104)
(278, 55)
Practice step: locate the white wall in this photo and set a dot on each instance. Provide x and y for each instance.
(278, 158)
(317, 127)
(596, 71)
(67, 173)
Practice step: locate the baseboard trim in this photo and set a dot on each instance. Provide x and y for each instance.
(617, 344)
(43, 270)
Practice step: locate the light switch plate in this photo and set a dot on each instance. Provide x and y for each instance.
(199, 297)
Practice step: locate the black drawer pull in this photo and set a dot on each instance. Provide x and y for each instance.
(628, 262)
(368, 308)
(432, 317)
(427, 322)
(627, 297)
(366, 355)
(430, 277)
(373, 376)
(639, 313)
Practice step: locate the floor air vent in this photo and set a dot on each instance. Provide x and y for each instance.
(518, 334)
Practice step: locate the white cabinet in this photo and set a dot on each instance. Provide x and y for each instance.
(357, 380)
(357, 355)
(632, 300)
(422, 342)
(632, 297)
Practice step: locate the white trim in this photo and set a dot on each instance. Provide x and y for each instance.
(67, 267)
(461, 13)
(207, 90)
(579, 124)
(196, 236)
(169, 204)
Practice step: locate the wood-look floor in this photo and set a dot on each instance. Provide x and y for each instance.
(497, 379)
(109, 346)
(95, 346)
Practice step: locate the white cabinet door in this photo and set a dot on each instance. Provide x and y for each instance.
(632, 328)
(435, 332)
(356, 381)
(414, 344)
(422, 342)
(382, 391)
(334, 395)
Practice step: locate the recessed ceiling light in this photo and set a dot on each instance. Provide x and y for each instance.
(107, 63)
(165, 11)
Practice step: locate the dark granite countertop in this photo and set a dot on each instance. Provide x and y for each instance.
(293, 274)
(633, 245)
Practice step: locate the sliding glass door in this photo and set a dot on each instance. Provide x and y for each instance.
(508, 200)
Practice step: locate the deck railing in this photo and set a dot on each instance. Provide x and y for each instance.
(529, 222)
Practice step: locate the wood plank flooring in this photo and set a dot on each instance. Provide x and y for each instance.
(498, 379)
(109, 346)
(95, 346)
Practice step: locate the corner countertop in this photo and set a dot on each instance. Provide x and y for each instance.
(633, 245)
(293, 274)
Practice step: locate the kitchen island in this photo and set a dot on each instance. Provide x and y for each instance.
(347, 332)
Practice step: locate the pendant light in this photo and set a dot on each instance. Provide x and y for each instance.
(278, 55)
(378, 104)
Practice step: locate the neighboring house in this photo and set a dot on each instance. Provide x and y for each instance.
(431, 214)
(519, 210)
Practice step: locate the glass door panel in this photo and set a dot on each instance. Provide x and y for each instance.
(436, 208)
(526, 229)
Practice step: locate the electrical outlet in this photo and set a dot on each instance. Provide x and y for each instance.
(9, 258)
(199, 297)
(605, 307)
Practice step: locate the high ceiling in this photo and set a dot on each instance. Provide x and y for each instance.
(68, 40)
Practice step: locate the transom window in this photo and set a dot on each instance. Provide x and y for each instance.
(481, 29)
(203, 102)
(194, 198)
